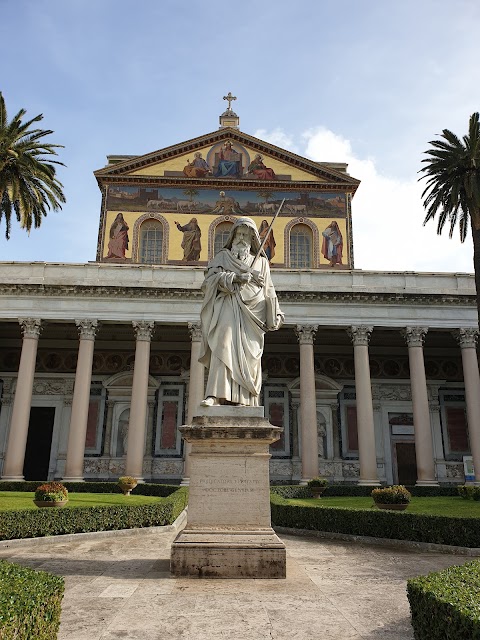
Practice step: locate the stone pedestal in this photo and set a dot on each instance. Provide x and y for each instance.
(228, 532)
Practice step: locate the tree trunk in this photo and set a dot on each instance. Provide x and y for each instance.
(476, 264)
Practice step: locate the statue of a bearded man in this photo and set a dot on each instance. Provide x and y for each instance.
(240, 305)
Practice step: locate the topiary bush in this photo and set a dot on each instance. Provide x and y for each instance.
(153, 489)
(396, 494)
(30, 603)
(394, 525)
(51, 492)
(469, 492)
(50, 522)
(446, 604)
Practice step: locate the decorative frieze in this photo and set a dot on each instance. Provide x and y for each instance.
(143, 330)
(306, 333)
(414, 336)
(391, 392)
(177, 293)
(31, 327)
(466, 337)
(87, 329)
(360, 335)
(50, 387)
(195, 329)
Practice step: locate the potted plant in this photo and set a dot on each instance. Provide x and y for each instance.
(51, 494)
(127, 484)
(317, 486)
(396, 497)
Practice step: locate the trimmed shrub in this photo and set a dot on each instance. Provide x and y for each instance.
(30, 603)
(469, 492)
(51, 492)
(396, 494)
(354, 490)
(394, 525)
(291, 491)
(317, 482)
(446, 604)
(160, 490)
(50, 522)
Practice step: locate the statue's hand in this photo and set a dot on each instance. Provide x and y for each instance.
(258, 278)
(243, 278)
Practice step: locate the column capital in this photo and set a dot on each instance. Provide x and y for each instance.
(414, 336)
(360, 335)
(87, 329)
(143, 330)
(195, 329)
(466, 337)
(306, 333)
(31, 327)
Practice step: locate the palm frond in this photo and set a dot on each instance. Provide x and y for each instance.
(28, 182)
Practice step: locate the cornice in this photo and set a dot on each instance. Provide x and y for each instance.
(211, 183)
(162, 293)
(139, 162)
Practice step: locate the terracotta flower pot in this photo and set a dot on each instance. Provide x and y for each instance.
(393, 506)
(50, 503)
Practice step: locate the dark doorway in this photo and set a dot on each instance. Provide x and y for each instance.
(406, 463)
(39, 443)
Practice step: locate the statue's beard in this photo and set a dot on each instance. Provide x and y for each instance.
(241, 250)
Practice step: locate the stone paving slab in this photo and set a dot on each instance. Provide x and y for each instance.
(120, 588)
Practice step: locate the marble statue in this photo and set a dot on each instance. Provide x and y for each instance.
(240, 305)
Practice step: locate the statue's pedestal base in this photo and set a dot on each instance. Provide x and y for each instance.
(228, 532)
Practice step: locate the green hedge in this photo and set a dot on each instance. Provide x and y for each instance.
(446, 604)
(354, 490)
(50, 522)
(30, 603)
(395, 525)
(143, 489)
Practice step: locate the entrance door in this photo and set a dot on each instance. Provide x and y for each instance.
(406, 463)
(39, 443)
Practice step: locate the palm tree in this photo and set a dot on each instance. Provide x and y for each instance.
(28, 185)
(452, 171)
(191, 193)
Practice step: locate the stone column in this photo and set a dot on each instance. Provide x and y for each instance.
(81, 402)
(308, 402)
(17, 437)
(414, 337)
(467, 339)
(360, 336)
(196, 389)
(138, 406)
(108, 429)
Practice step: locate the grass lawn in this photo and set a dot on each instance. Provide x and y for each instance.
(438, 506)
(14, 500)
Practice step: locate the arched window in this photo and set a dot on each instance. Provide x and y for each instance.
(222, 231)
(301, 243)
(151, 242)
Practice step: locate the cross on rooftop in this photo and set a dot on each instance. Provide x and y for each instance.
(230, 99)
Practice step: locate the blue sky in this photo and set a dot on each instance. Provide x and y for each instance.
(370, 83)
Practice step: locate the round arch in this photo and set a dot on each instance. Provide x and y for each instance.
(136, 235)
(315, 239)
(211, 232)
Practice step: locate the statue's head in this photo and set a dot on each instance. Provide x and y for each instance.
(249, 232)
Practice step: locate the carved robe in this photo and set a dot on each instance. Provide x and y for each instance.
(234, 319)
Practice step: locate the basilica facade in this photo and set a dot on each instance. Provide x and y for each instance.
(373, 377)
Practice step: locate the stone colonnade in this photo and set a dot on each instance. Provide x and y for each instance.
(360, 335)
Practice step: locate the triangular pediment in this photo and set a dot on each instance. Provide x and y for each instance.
(281, 165)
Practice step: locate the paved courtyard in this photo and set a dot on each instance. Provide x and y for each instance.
(119, 587)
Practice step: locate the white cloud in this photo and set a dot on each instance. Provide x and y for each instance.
(277, 137)
(387, 213)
